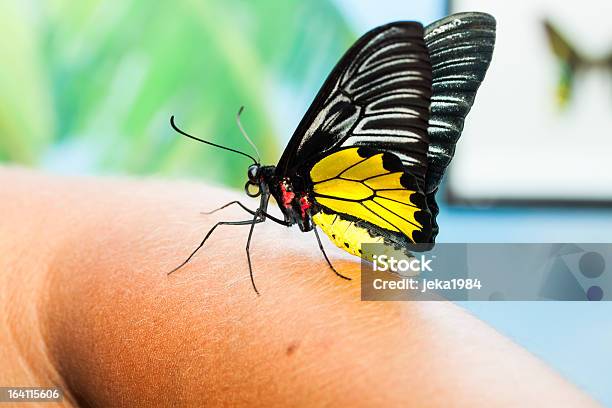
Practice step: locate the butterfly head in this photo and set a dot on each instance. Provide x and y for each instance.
(258, 179)
(252, 187)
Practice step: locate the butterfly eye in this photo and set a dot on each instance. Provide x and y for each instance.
(253, 174)
(252, 189)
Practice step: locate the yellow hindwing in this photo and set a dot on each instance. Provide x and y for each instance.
(351, 182)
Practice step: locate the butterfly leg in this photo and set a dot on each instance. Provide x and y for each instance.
(248, 246)
(227, 205)
(325, 256)
(245, 222)
(261, 212)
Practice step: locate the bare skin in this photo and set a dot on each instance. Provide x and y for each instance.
(87, 305)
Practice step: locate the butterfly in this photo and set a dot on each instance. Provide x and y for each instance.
(366, 160)
(571, 61)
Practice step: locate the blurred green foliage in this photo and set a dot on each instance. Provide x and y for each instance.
(89, 85)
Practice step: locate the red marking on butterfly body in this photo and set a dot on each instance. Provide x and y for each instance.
(288, 196)
(304, 205)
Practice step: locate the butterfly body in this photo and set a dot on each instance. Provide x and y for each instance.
(290, 193)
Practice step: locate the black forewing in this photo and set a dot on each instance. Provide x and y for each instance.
(378, 95)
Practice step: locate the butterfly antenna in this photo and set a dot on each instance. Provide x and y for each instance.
(244, 133)
(177, 129)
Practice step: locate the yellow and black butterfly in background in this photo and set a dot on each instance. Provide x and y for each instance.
(571, 62)
(365, 162)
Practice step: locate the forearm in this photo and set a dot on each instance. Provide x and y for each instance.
(118, 329)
